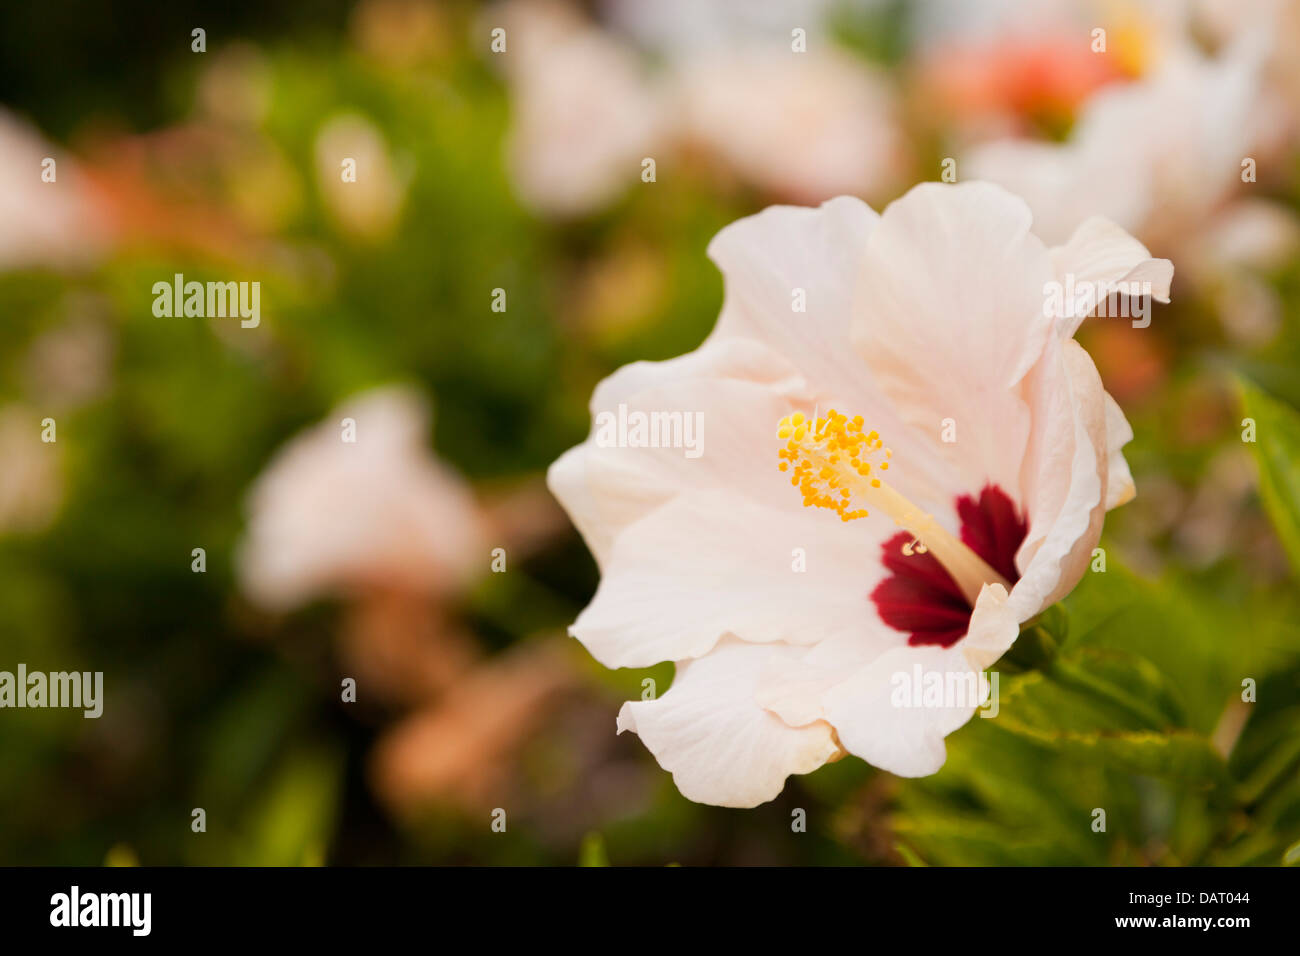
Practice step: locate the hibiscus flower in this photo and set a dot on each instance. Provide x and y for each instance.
(588, 109)
(1186, 126)
(955, 448)
(337, 512)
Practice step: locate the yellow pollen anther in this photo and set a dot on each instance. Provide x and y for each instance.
(830, 454)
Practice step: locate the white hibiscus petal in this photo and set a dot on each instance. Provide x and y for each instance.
(880, 713)
(1119, 484)
(740, 388)
(788, 255)
(993, 628)
(895, 712)
(725, 442)
(768, 258)
(792, 685)
(707, 565)
(745, 360)
(950, 318)
(1103, 258)
(721, 747)
(567, 479)
(1065, 477)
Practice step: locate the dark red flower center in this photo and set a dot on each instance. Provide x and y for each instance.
(920, 597)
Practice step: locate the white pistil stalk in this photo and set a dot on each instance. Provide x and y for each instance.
(827, 458)
(968, 569)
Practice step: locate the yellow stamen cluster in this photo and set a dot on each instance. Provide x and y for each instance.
(827, 459)
(827, 456)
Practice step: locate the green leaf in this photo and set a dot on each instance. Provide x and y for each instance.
(1277, 452)
(909, 855)
(1200, 635)
(1278, 762)
(1040, 639)
(1109, 708)
(291, 822)
(1126, 681)
(593, 852)
(1181, 755)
